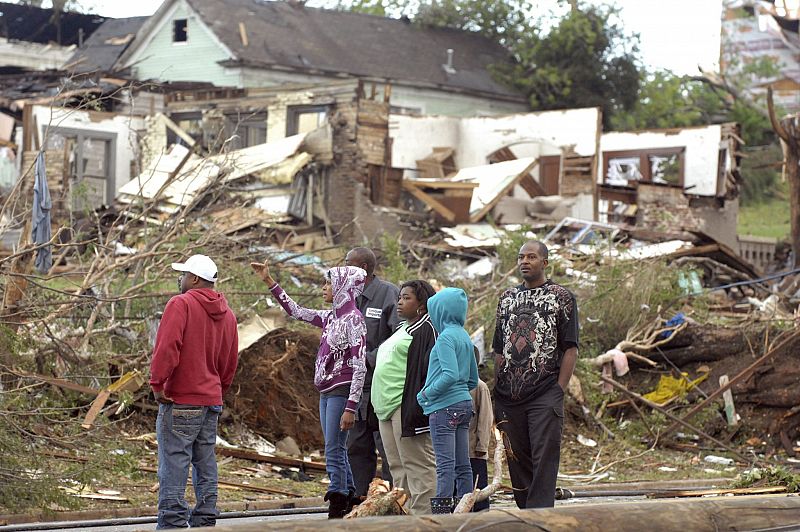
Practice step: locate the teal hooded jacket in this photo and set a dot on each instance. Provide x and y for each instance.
(452, 368)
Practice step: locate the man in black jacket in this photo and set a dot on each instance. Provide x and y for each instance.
(378, 304)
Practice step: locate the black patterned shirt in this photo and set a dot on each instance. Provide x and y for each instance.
(535, 326)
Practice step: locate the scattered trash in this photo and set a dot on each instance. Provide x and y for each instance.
(588, 442)
(721, 460)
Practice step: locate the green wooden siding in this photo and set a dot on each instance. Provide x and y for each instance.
(195, 60)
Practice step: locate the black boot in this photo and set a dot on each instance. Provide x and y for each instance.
(352, 501)
(441, 505)
(337, 507)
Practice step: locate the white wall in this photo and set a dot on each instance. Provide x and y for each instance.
(701, 157)
(530, 134)
(125, 128)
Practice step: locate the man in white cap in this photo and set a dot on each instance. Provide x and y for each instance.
(194, 361)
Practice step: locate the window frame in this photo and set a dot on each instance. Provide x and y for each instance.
(110, 162)
(293, 113)
(644, 155)
(175, 22)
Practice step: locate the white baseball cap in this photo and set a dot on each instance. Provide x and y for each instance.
(199, 265)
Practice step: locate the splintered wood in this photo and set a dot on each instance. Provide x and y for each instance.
(380, 501)
(468, 501)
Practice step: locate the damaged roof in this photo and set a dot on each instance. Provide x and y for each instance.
(101, 51)
(289, 35)
(35, 24)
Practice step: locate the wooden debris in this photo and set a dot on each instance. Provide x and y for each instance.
(467, 502)
(723, 491)
(236, 485)
(727, 396)
(744, 374)
(380, 501)
(277, 460)
(678, 420)
(130, 382)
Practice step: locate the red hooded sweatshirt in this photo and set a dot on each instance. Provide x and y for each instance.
(196, 349)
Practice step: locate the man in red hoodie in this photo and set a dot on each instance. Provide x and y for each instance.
(194, 361)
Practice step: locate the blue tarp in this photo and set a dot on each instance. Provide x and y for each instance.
(40, 228)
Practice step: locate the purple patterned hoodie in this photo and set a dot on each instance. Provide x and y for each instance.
(342, 347)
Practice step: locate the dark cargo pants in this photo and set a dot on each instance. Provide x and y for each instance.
(533, 430)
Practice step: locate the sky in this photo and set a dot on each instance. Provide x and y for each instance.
(676, 35)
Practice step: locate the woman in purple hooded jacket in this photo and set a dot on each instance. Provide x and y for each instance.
(340, 368)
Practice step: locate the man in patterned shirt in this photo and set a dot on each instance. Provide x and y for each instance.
(536, 347)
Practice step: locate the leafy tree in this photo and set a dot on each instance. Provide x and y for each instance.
(581, 59)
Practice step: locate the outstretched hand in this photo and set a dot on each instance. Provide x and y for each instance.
(262, 269)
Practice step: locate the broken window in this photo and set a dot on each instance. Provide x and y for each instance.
(179, 33)
(191, 123)
(89, 158)
(305, 118)
(657, 165)
(245, 129)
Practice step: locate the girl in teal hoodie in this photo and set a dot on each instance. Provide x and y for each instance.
(445, 398)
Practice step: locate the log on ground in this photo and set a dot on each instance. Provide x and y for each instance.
(711, 514)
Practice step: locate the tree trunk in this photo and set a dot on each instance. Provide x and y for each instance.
(788, 129)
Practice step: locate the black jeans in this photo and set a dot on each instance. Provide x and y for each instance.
(534, 434)
(362, 442)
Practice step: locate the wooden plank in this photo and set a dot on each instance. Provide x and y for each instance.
(235, 485)
(243, 34)
(727, 397)
(531, 186)
(430, 201)
(177, 130)
(443, 184)
(276, 460)
(97, 405)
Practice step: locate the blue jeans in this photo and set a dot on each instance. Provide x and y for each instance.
(450, 436)
(186, 434)
(336, 462)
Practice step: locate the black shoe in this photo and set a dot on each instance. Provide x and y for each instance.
(352, 501)
(337, 508)
(441, 505)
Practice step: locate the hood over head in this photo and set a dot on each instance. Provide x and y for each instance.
(347, 283)
(448, 308)
(214, 303)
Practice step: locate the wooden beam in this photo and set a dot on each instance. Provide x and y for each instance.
(177, 130)
(430, 201)
(531, 186)
(243, 34)
(276, 460)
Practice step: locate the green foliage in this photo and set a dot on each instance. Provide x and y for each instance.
(394, 267)
(625, 294)
(582, 58)
(761, 174)
(586, 60)
(772, 476)
(768, 217)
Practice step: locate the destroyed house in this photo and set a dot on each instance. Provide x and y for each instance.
(758, 30)
(33, 38)
(672, 180)
(257, 44)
